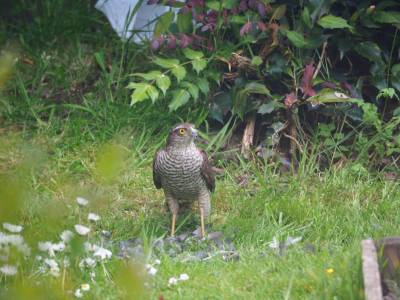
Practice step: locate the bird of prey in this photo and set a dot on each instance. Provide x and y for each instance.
(184, 173)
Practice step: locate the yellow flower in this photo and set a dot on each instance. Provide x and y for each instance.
(329, 271)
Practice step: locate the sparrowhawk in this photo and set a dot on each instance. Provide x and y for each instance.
(184, 173)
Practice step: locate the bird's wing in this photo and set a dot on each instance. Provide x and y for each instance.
(207, 172)
(156, 175)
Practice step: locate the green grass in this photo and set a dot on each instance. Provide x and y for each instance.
(66, 130)
(332, 212)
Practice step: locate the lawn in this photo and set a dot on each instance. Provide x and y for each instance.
(67, 132)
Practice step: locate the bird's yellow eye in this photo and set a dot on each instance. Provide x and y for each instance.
(182, 131)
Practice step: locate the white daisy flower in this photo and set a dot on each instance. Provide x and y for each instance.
(78, 293)
(50, 247)
(151, 270)
(89, 262)
(89, 247)
(53, 265)
(184, 277)
(66, 236)
(82, 201)
(172, 281)
(44, 246)
(102, 253)
(15, 240)
(85, 287)
(8, 270)
(81, 229)
(93, 217)
(12, 228)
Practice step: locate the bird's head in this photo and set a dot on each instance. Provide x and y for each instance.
(182, 135)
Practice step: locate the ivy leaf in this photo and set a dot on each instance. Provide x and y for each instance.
(163, 82)
(199, 65)
(193, 89)
(266, 108)
(163, 23)
(203, 85)
(333, 22)
(192, 54)
(179, 98)
(152, 75)
(296, 38)
(179, 72)
(142, 92)
(166, 63)
(391, 17)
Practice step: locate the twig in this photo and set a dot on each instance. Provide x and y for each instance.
(321, 59)
(295, 141)
(248, 135)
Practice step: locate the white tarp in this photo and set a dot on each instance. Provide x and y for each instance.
(118, 13)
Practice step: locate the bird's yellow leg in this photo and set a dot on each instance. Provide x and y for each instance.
(173, 224)
(202, 222)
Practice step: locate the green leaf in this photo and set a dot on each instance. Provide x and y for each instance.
(229, 4)
(214, 5)
(99, 56)
(296, 38)
(396, 112)
(184, 22)
(163, 23)
(134, 85)
(239, 19)
(332, 22)
(163, 82)
(266, 108)
(306, 18)
(396, 69)
(214, 75)
(279, 12)
(166, 63)
(203, 85)
(199, 64)
(329, 96)
(192, 54)
(370, 51)
(153, 93)
(256, 88)
(142, 92)
(256, 60)
(152, 75)
(179, 98)
(193, 89)
(179, 72)
(390, 17)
